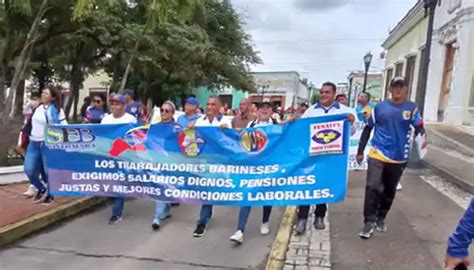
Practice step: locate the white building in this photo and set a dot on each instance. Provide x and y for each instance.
(284, 88)
(404, 51)
(450, 90)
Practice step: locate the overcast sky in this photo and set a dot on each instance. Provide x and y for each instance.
(321, 39)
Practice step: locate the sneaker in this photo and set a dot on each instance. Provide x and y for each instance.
(115, 220)
(399, 187)
(200, 230)
(30, 192)
(367, 231)
(380, 226)
(40, 196)
(319, 223)
(48, 200)
(237, 237)
(300, 227)
(155, 225)
(265, 228)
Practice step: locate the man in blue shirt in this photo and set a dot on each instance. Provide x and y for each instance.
(459, 242)
(388, 156)
(190, 116)
(133, 107)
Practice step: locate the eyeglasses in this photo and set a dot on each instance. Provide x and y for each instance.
(165, 111)
(114, 102)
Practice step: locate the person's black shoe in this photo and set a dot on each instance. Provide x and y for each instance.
(114, 220)
(319, 223)
(200, 230)
(380, 226)
(40, 196)
(156, 225)
(367, 230)
(174, 204)
(300, 227)
(48, 200)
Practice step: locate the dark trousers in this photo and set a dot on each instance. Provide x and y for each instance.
(382, 180)
(320, 211)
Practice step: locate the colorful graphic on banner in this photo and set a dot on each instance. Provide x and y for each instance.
(273, 165)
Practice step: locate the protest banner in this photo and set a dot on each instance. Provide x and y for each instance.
(300, 163)
(354, 145)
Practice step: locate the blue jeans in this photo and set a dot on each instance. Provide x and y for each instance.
(205, 214)
(244, 216)
(117, 207)
(35, 164)
(162, 211)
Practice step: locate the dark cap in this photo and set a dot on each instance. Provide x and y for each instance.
(128, 92)
(265, 101)
(192, 101)
(398, 81)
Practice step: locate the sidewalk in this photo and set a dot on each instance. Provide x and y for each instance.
(19, 216)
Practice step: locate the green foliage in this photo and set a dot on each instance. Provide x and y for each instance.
(180, 44)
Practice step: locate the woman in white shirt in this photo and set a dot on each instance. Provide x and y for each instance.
(49, 112)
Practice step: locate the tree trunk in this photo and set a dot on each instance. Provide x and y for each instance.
(22, 61)
(20, 93)
(129, 65)
(76, 102)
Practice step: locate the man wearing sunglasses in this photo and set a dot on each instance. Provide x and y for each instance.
(163, 209)
(117, 116)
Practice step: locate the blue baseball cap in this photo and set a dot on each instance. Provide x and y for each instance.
(128, 92)
(118, 97)
(192, 101)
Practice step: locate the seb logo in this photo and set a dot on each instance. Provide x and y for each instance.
(70, 138)
(326, 138)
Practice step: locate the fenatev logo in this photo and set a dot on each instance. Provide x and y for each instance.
(326, 138)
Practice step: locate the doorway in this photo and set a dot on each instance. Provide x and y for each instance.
(446, 82)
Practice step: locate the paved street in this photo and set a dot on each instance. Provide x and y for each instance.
(419, 225)
(88, 242)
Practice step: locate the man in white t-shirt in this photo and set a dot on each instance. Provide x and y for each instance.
(327, 105)
(212, 118)
(117, 116)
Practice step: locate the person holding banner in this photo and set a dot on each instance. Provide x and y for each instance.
(212, 118)
(117, 116)
(327, 106)
(245, 117)
(190, 113)
(47, 113)
(163, 209)
(264, 114)
(387, 159)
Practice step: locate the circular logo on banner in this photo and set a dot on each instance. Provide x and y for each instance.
(190, 142)
(253, 141)
(326, 136)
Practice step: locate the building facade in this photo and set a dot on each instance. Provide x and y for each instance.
(404, 49)
(356, 85)
(450, 87)
(284, 88)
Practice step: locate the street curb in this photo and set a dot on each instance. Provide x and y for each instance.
(12, 232)
(276, 258)
(449, 177)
